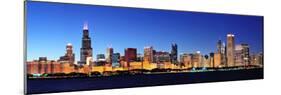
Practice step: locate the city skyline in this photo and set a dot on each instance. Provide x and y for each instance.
(126, 35)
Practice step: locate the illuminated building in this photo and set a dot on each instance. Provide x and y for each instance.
(206, 61)
(116, 60)
(89, 61)
(185, 59)
(86, 49)
(211, 59)
(162, 56)
(135, 65)
(130, 55)
(98, 69)
(148, 54)
(230, 50)
(123, 62)
(83, 69)
(109, 53)
(69, 55)
(238, 55)
(222, 52)
(217, 60)
(246, 54)
(174, 53)
(256, 59)
(242, 56)
(196, 60)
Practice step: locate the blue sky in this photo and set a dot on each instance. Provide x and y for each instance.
(50, 26)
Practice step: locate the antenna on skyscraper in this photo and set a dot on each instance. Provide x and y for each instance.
(85, 26)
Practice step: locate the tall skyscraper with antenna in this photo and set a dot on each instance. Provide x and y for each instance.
(86, 49)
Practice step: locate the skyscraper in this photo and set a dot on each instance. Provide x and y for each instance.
(86, 49)
(217, 60)
(148, 54)
(109, 53)
(197, 59)
(130, 54)
(221, 53)
(116, 60)
(211, 59)
(174, 53)
(230, 50)
(185, 59)
(161, 56)
(246, 54)
(69, 56)
(219, 47)
(242, 56)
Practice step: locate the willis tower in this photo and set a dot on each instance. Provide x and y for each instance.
(86, 49)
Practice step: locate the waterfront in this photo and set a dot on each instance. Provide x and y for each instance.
(50, 85)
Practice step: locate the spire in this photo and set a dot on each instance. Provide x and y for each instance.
(85, 27)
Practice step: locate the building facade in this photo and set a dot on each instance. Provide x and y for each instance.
(162, 56)
(242, 56)
(230, 50)
(109, 53)
(148, 54)
(174, 53)
(116, 60)
(69, 55)
(130, 54)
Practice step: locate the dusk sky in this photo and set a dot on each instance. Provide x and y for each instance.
(50, 26)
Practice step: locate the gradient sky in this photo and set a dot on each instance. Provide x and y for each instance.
(50, 26)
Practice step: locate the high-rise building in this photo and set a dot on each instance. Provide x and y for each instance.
(130, 54)
(109, 53)
(230, 50)
(221, 51)
(217, 60)
(69, 55)
(211, 59)
(174, 54)
(161, 56)
(242, 56)
(86, 49)
(206, 61)
(197, 60)
(246, 54)
(219, 47)
(116, 60)
(148, 54)
(185, 59)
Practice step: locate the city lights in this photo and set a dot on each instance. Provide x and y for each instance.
(230, 57)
